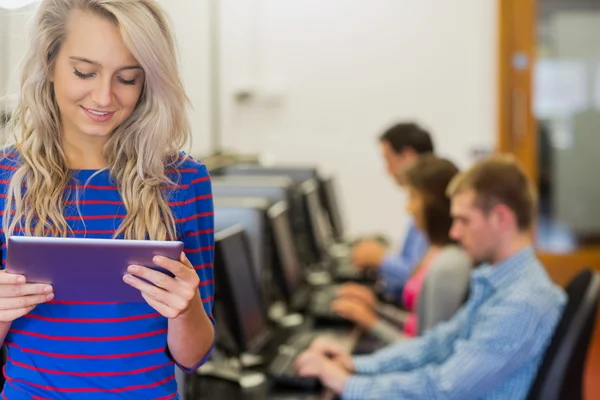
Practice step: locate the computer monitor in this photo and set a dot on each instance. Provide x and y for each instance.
(298, 174)
(238, 291)
(322, 238)
(273, 188)
(330, 200)
(251, 214)
(287, 269)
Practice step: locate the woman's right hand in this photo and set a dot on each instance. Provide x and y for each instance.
(18, 298)
(356, 311)
(360, 292)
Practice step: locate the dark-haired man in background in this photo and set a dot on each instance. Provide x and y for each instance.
(401, 145)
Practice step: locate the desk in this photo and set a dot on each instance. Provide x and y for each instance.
(207, 388)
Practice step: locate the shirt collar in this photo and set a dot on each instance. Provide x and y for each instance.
(508, 271)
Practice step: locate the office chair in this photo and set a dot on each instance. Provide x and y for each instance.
(445, 290)
(561, 373)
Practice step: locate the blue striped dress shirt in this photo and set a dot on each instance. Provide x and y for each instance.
(396, 268)
(490, 350)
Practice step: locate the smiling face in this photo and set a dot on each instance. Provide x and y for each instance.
(97, 81)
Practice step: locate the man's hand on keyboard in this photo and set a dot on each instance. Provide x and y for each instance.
(330, 373)
(334, 352)
(361, 292)
(368, 254)
(356, 311)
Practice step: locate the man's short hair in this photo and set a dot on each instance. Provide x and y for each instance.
(497, 180)
(408, 135)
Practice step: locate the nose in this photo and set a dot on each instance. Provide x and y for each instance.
(102, 95)
(454, 232)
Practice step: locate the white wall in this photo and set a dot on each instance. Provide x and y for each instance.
(329, 76)
(18, 26)
(190, 18)
(3, 61)
(3, 51)
(12, 31)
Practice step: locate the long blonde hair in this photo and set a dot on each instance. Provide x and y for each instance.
(140, 152)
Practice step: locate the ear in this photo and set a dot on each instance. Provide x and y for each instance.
(409, 153)
(502, 217)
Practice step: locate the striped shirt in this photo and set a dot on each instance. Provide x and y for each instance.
(490, 350)
(95, 351)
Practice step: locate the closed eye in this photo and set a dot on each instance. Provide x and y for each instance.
(461, 220)
(126, 82)
(82, 75)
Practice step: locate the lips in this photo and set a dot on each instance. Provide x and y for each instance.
(98, 115)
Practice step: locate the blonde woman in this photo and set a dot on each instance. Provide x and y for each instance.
(97, 154)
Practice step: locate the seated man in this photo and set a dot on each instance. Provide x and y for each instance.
(401, 146)
(492, 348)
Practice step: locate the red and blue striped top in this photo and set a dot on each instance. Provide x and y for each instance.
(107, 350)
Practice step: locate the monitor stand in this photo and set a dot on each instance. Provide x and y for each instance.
(289, 321)
(281, 315)
(340, 250)
(277, 311)
(231, 369)
(318, 278)
(249, 360)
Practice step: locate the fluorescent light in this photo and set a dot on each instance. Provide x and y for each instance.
(15, 4)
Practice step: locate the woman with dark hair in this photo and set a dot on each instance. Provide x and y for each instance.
(426, 182)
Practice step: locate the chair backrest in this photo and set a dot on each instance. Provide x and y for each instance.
(561, 373)
(445, 288)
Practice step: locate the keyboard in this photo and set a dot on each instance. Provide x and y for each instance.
(320, 301)
(320, 307)
(282, 370)
(344, 271)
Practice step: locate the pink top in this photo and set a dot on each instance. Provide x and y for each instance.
(411, 293)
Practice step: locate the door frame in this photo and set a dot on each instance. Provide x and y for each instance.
(517, 127)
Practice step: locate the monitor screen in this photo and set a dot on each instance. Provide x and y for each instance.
(232, 256)
(330, 202)
(230, 189)
(297, 174)
(285, 251)
(273, 189)
(320, 229)
(253, 220)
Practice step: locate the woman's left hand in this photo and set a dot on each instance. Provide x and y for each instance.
(171, 297)
(356, 311)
